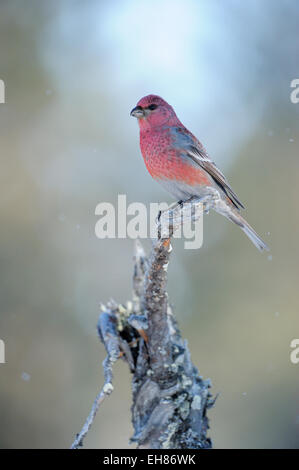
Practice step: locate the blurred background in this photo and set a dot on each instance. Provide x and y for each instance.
(73, 70)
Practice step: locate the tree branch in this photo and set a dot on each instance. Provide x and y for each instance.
(170, 398)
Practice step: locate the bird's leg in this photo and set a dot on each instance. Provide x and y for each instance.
(170, 208)
(175, 204)
(207, 201)
(173, 212)
(170, 211)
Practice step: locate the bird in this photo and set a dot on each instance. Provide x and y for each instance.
(177, 160)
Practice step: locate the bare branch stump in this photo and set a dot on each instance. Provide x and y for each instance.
(170, 398)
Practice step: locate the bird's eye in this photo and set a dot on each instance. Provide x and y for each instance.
(152, 107)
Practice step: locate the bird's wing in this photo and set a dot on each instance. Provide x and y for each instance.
(200, 156)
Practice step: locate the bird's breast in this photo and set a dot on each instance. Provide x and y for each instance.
(165, 161)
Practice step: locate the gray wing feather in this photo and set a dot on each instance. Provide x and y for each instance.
(199, 156)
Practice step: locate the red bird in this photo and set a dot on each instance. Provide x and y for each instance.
(178, 161)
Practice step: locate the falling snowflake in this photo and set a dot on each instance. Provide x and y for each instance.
(26, 377)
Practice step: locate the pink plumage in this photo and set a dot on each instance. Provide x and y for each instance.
(178, 161)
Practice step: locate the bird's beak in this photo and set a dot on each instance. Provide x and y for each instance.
(137, 112)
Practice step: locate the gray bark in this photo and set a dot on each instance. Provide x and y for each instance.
(170, 398)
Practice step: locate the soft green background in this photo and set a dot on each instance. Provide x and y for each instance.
(73, 70)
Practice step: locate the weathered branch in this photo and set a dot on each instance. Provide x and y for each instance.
(109, 336)
(170, 398)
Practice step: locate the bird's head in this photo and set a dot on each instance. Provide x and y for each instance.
(152, 111)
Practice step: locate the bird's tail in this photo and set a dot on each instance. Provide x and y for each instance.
(234, 216)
